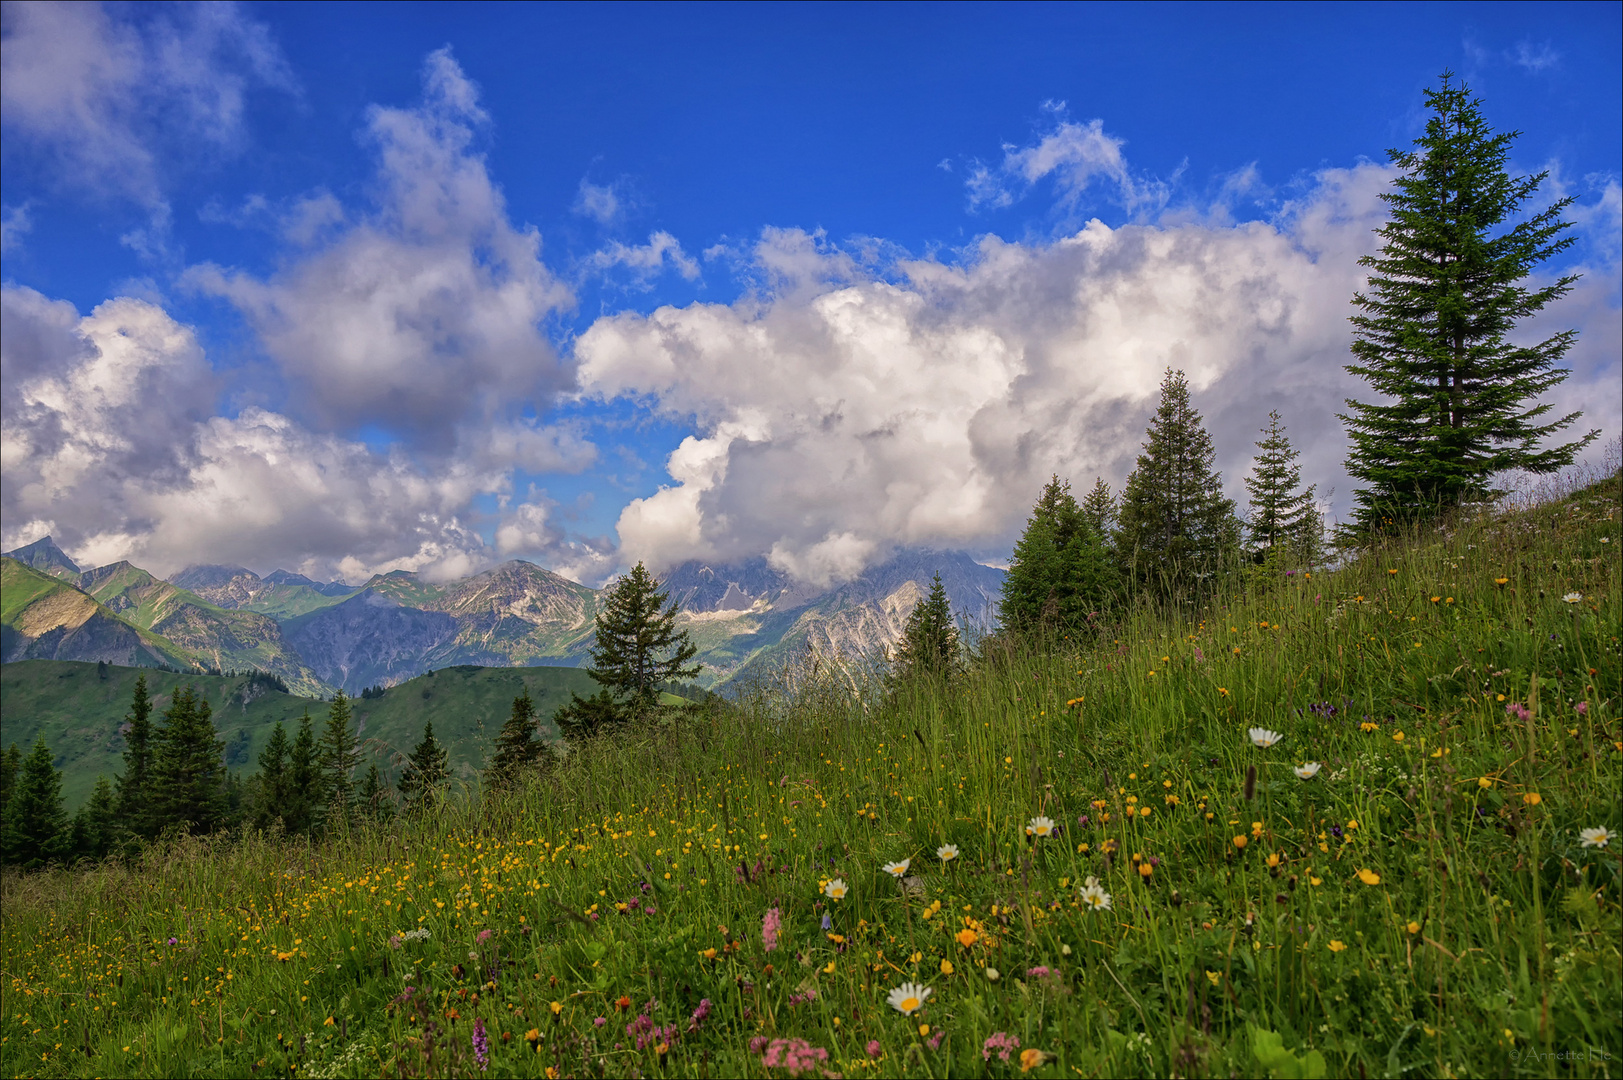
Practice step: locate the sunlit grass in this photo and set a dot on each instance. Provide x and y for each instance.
(1423, 904)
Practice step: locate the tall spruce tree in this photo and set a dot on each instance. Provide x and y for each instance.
(339, 757)
(188, 769)
(1177, 529)
(1449, 286)
(1060, 575)
(638, 648)
(306, 795)
(929, 644)
(372, 802)
(1100, 511)
(11, 764)
(1282, 515)
(135, 784)
(271, 785)
(96, 831)
(422, 779)
(36, 830)
(518, 748)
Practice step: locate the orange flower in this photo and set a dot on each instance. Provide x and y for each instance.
(967, 937)
(1240, 841)
(1532, 798)
(623, 1004)
(1369, 877)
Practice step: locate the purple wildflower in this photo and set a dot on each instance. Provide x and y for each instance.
(873, 1048)
(770, 926)
(482, 937)
(699, 1014)
(934, 1041)
(1000, 1043)
(481, 1045)
(795, 1055)
(828, 923)
(599, 1021)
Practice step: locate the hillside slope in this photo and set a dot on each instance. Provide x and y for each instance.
(243, 590)
(213, 636)
(46, 618)
(80, 709)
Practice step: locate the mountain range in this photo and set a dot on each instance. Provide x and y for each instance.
(320, 637)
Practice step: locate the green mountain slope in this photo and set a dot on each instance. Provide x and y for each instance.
(42, 617)
(214, 636)
(237, 589)
(80, 707)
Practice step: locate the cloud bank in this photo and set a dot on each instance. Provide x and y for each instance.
(844, 410)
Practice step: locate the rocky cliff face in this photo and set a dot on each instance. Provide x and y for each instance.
(243, 590)
(371, 640)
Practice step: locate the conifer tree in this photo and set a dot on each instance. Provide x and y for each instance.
(36, 830)
(305, 794)
(373, 802)
(1449, 286)
(11, 764)
(95, 827)
(929, 644)
(638, 648)
(517, 746)
(1282, 517)
(1060, 575)
(188, 769)
(271, 785)
(339, 756)
(1099, 510)
(135, 785)
(1177, 530)
(424, 775)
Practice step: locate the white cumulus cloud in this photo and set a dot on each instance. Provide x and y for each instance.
(424, 316)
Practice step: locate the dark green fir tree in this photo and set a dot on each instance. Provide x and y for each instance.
(270, 788)
(1283, 517)
(36, 830)
(1436, 336)
(423, 778)
(1060, 577)
(306, 796)
(638, 648)
(135, 807)
(518, 746)
(929, 647)
(188, 769)
(339, 757)
(1178, 532)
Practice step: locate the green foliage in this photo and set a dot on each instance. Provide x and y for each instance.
(11, 764)
(1283, 516)
(135, 805)
(188, 768)
(638, 646)
(97, 830)
(1178, 534)
(423, 779)
(1061, 578)
(35, 829)
(373, 802)
(929, 647)
(271, 787)
(339, 756)
(518, 749)
(1446, 292)
(1269, 1049)
(307, 794)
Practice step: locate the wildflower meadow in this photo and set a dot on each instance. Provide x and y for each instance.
(1360, 822)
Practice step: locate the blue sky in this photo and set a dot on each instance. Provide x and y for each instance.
(348, 288)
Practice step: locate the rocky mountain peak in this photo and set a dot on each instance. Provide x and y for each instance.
(43, 555)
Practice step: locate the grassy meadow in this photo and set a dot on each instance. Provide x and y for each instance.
(710, 898)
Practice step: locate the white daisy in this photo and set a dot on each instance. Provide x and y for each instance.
(1573, 597)
(836, 889)
(1598, 837)
(1094, 895)
(908, 998)
(947, 852)
(1042, 827)
(1261, 736)
(897, 869)
(1308, 771)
